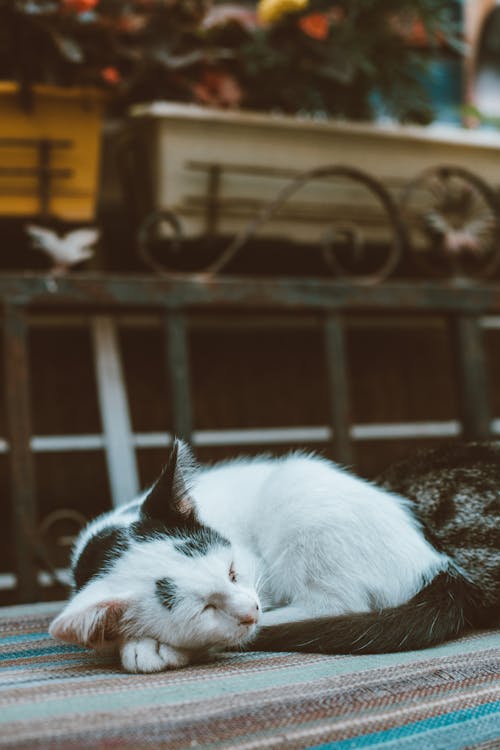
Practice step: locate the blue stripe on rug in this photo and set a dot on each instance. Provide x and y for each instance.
(446, 732)
(41, 636)
(30, 652)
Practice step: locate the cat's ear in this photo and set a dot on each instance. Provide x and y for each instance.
(93, 624)
(169, 497)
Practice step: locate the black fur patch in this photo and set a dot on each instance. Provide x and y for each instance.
(489, 537)
(445, 511)
(99, 553)
(147, 529)
(456, 494)
(493, 507)
(166, 592)
(201, 543)
(168, 500)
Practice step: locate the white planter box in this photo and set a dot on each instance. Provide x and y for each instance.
(259, 153)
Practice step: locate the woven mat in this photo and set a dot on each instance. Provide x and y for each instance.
(58, 696)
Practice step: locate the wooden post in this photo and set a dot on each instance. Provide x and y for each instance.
(177, 364)
(472, 379)
(212, 200)
(338, 388)
(22, 469)
(120, 453)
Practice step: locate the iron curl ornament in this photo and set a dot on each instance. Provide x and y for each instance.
(147, 231)
(340, 234)
(55, 537)
(452, 218)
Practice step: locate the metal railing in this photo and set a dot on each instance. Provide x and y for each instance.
(331, 303)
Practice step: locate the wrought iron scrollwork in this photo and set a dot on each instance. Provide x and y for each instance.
(338, 229)
(146, 234)
(453, 223)
(447, 221)
(55, 536)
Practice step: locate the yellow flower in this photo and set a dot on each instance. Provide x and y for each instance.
(270, 11)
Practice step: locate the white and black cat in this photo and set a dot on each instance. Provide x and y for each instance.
(289, 553)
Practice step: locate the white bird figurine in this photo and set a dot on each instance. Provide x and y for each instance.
(66, 251)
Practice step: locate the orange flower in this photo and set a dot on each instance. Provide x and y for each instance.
(111, 75)
(131, 23)
(217, 88)
(315, 25)
(79, 6)
(418, 35)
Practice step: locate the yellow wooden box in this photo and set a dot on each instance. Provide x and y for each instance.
(72, 119)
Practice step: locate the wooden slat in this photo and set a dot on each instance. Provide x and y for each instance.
(22, 469)
(338, 388)
(472, 379)
(256, 436)
(91, 291)
(120, 454)
(177, 365)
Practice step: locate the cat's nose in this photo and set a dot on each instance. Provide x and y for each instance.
(250, 618)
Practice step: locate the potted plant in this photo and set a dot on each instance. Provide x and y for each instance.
(252, 93)
(334, 57)
(248, 83)
(57, 59)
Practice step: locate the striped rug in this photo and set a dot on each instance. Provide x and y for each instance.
(58, 696)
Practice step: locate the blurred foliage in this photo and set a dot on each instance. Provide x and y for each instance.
(475, 117)
(325, 57)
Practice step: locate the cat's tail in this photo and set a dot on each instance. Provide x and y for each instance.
(445, 608)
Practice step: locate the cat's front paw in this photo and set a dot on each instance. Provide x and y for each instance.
(148, 655)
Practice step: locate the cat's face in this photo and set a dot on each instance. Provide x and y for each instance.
(190, 594)
(163, 575)
(192, 591)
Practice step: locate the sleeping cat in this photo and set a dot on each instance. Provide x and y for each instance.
(290, 553)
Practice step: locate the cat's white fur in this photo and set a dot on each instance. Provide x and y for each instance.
(307, 539)
(326, 541)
